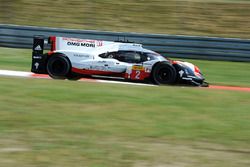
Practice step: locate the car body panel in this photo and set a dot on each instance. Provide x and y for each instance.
(127, 60)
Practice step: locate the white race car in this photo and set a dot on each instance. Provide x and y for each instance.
(71, 58)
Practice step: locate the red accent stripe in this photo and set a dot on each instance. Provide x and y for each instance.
(40, 75)
(46, 76)
(96, 72)
(235, 88)
(196, 69)
(53, 43)
(173, 62)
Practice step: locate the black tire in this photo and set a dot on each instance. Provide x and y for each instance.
(58, 67)
(73, 76)
(163, 73)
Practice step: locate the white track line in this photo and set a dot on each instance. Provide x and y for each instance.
(125, 83)
(24, 74)
(15, 73)
(11, 73)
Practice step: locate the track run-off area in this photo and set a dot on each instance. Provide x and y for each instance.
(11, 73)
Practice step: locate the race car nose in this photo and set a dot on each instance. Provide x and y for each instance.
(197, 71)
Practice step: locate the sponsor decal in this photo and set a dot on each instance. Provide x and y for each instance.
(37, 57)
(36, 65)
(81, 44)
(137, 45)
(81, 55)
(88, 45)
(103, 61)
(147, 70)
(38, 47)
(148, 64)
(73, 43)
(137, 67)
(99, 43)
(181, 72)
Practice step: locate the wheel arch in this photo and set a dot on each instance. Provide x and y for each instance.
(157, 63)
(58, 53)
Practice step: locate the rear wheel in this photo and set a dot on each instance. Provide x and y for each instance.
(58, 67)
(163, 73)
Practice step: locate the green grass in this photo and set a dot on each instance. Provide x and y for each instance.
(216, 72)
(226, 18)
(15, 59)
(225, 73)
(65, 123)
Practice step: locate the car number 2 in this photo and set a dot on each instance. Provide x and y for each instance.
(137, 74)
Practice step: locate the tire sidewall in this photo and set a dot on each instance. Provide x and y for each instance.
(62, 71)
(168, 68)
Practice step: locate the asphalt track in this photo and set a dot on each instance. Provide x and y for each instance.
(10, 73)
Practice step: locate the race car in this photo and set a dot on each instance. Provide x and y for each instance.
(72, 58)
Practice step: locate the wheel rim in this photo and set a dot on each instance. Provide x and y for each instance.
(58, 67)
(164, 75)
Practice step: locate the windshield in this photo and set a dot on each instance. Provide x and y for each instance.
(132, 56)
(153, 56)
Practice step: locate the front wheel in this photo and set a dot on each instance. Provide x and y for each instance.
(73, 76)
(163, 73)
(58, 67)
